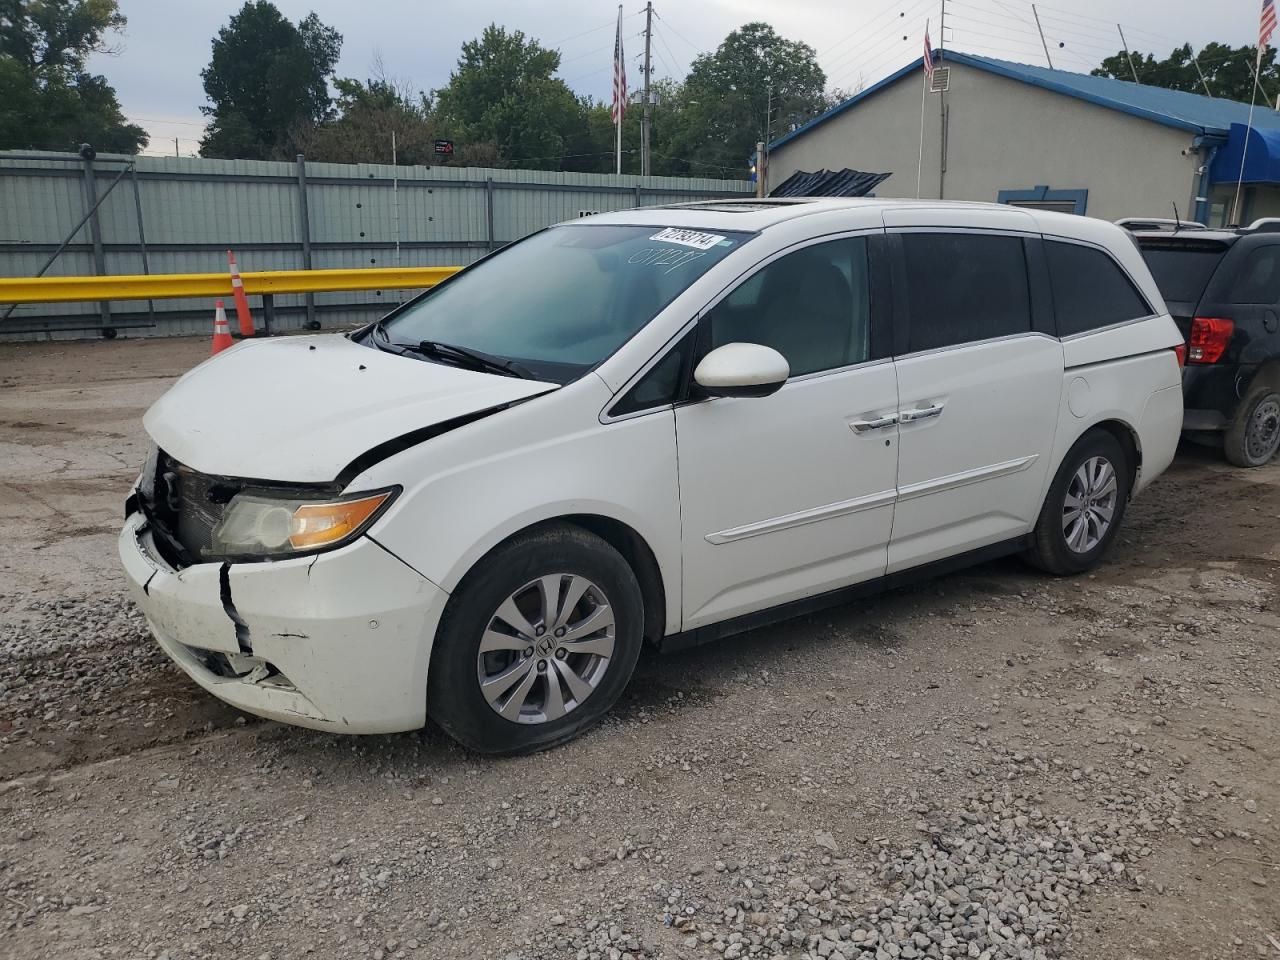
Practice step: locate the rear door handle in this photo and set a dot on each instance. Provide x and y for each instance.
(921, 413)
(862, 426)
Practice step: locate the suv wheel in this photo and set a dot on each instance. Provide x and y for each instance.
(1254, 434)
(1084, 507)
(537, 642)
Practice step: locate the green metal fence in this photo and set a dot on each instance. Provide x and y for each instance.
(176, 215)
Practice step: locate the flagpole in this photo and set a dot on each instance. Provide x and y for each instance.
(1244, 151)
(924, 94)
(622, 99)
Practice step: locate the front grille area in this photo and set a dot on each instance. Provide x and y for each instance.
(184, 507)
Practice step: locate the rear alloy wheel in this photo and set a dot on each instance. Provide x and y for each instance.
(1254, 436)
(1090, 504)
(537, 642)
(1084, 506)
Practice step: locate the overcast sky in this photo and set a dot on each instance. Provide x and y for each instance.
(156, 69)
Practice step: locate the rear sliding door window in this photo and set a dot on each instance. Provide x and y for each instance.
(1089, 289)
(964, 287)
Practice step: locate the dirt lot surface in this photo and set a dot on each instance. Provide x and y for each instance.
(992, 765)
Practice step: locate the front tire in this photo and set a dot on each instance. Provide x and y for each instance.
(1254, 435)
(537, 642)
(1084, 506)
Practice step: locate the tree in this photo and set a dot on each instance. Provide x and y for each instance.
(48, 98)
(503, 92)
(753, 87)
(1228, 71)
(369, 113)
(267, 80)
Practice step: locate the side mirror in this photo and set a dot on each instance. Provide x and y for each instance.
(742, 370)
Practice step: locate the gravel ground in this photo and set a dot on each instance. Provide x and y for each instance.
(992, 765)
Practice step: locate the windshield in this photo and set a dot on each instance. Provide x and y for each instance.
(1182, 271)
(563, 300)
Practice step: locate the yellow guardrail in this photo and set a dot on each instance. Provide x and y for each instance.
(169, 285)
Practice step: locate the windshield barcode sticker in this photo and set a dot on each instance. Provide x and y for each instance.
(688, 238)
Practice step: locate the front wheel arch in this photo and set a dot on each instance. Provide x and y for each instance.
(627, 541)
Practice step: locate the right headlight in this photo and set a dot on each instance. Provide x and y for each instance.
(270, 526)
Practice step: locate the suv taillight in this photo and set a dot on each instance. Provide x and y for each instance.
(1209, 339)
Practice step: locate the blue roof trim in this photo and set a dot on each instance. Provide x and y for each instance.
(1203, 116)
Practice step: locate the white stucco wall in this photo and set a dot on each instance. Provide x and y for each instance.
(1003, 134)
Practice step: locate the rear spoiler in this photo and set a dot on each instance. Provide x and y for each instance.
(1134, 224)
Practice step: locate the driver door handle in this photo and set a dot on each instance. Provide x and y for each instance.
(862, 426)
(921, 413)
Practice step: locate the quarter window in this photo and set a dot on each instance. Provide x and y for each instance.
(812, 306)
(1089, 289)
(663, 385)
(963, 287)
(1259, 277)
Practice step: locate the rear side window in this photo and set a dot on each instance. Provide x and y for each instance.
(964, 287)
(1182, 269)
(1089, 289)
(1258, 279)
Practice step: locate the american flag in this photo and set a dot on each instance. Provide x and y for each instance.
(620, 75)
(928, 54)
(1267, 23)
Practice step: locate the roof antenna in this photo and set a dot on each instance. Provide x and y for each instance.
(1177, 220)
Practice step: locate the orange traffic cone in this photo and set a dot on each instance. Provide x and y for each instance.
(242, 302)
(221, 332)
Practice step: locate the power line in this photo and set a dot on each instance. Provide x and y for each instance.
(912, 17)
(662, 40)
(184, 123)
(693, 46)
(865, 27)
(603, 26)
(885, 53)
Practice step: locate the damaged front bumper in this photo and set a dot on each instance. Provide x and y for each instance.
(339, 641)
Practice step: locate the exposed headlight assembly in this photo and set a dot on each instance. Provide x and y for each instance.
(269, 525)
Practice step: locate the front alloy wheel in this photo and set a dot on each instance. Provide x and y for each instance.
(537, 642)
(546, 649)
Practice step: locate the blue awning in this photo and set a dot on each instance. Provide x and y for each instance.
(1261, 160)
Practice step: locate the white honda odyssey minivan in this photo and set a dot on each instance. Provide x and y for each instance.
(665, 425)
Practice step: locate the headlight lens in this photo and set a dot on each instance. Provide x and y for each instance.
(258, 525)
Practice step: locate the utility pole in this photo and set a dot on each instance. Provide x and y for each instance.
(646, 118)
(175, 146)
(1040, 30)
(1132, 69)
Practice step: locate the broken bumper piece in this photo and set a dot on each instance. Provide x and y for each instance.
(339, 641)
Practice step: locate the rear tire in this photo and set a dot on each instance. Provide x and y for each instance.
(1084, 507)
(537, 642)
(1254, 435)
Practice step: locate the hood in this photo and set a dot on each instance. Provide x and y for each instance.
(299, 409)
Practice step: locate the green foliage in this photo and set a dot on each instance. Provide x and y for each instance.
(504, 92)
(48, 98)
(268, 81)
(753, 86)
(1228, 71)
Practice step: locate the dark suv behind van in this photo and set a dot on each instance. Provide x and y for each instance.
(1223, 290)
